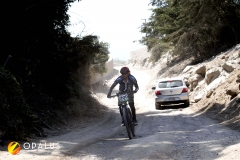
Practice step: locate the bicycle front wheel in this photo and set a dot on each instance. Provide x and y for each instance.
(130, 121)
(125, 119)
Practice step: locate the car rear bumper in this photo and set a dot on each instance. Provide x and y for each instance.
(172, 102)
(172, 99)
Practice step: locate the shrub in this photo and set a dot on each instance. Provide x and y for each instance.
(15, 114)
(157, 51)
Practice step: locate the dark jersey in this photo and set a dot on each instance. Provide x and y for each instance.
(126, 86)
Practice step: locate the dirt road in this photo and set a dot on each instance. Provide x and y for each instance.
(173, 133)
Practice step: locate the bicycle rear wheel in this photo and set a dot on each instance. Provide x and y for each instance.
(125, 119)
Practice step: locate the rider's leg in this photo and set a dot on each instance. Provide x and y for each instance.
(131, 104)
(121, 115)
(120, 111)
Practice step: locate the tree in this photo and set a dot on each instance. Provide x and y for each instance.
(98, 64)
(199, 28)
(49, 65)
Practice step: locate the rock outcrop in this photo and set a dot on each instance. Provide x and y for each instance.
(207, 76)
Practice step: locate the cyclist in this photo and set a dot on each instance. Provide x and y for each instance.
(126, 82)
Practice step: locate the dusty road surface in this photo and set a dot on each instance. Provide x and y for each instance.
(174, 133)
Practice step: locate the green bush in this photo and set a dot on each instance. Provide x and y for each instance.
(157, 51)
(15, 114)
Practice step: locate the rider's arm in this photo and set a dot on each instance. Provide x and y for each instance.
(136, 87)
(113, 85)
(135, 83)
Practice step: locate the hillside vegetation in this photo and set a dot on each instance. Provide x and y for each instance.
(45, 72)
(199, 29)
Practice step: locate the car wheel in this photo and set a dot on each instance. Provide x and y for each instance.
(186, 103)
(158, 106)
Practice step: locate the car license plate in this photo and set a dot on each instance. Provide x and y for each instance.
(171, 99)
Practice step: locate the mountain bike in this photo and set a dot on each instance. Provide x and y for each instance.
(127, 114)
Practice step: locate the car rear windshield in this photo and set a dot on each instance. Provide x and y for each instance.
(170, 84)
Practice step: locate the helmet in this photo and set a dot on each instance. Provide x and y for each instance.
(124, 70)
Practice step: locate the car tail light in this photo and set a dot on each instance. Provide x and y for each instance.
(184, 90)
(157, 92)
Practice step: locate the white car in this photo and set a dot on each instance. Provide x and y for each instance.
(171, 91)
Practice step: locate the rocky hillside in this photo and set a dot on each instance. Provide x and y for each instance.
(214, 84)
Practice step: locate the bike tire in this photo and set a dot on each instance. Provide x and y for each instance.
(130, 120)
(125, 119)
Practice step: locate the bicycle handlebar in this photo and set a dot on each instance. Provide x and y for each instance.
(115, 95)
